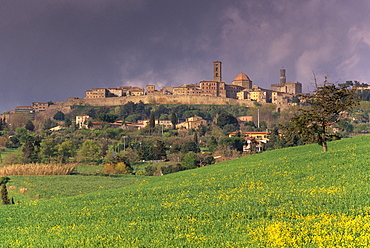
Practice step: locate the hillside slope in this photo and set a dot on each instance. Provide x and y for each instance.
(294, 197)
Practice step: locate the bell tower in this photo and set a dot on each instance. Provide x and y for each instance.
(282, 77)
(217, 73)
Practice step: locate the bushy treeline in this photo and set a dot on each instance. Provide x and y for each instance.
(122, 150)
(139, 111)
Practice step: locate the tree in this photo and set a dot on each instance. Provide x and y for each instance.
(196, 141)
(212, 144)
(89, 152)
(189, 146)
(133, 118)
(68, 122)
(18, 120)
(325, 108)
(30, 148)
(174, 120)
(275, 140)
(152, 121)
(29, 126)
(48, 150)
(232, 143)
(227, 119)
(190, 160)
(159, 150)
(65, 151)
(118, 168)
(49, 123)
(145, 151)
(59, 116)
(205, 159)
(107, 117)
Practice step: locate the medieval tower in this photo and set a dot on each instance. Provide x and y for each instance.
(282, 77)
(217, 76)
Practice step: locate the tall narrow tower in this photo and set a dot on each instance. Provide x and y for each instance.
(282, 77)
(217, 76)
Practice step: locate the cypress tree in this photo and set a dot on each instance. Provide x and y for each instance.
(152, 121)
(174, 120)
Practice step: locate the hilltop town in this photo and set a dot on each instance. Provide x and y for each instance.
(241, 88)
(241, 91)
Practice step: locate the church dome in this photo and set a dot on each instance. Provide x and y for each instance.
(243, 81)
(241, 77)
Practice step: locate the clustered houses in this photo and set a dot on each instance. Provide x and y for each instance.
(114, 92)
(240, 88)
(82, 121)
(254, 140)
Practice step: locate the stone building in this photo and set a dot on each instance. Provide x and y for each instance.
(281, 98)
(283, 86)
(40, 106)
(242, 80)
(164, 123)
(215, 87)
(135, 91)
(24, 109)
(150, 90)
(96, 93)
(132, 91)
(82, 121)
(245, 118)
(115, 92)
(255, 94)
(192, 122)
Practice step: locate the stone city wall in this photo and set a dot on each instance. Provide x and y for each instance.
(151, 99)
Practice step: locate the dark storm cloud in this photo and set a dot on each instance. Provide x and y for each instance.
(52, 50)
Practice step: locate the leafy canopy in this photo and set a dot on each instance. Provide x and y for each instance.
(324, 108)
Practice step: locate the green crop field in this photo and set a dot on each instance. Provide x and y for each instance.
(296, 197)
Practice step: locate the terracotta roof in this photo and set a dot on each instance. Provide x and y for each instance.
(241, 76)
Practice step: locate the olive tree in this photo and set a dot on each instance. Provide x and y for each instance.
(324, 108)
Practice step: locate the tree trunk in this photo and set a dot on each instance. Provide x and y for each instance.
(323, 142)
(324, 146)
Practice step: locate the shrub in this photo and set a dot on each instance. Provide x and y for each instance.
(151, 170)
(117, 168)
(172, 168)
(36, 169)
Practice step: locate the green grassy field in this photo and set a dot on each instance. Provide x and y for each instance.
(47, 187)
(296, 197)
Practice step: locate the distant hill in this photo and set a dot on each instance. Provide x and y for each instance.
(295, 197)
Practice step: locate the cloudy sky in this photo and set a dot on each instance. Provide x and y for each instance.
(53, 50)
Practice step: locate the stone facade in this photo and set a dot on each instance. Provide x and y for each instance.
(281, 98)
(290, 87)
(165, 123)
(150, 89)
(192, 122)
(217, 71)
(135, 91)
(115, 92)
(82, 121)
(96, 93)
(40, 106)
(242, 80)
(245, 118)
